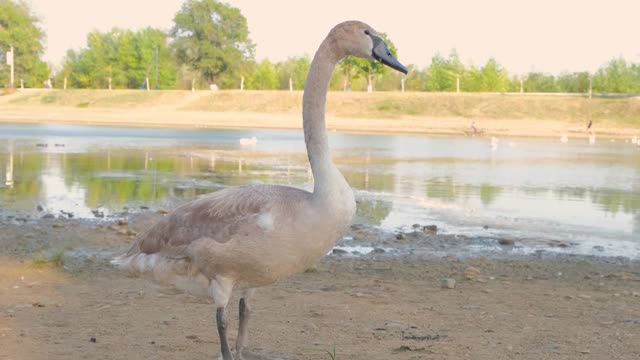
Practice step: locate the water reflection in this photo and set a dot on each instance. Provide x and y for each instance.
(537, 188)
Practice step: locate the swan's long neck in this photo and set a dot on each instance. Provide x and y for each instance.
(313, 115)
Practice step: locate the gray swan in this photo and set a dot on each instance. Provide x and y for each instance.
(251, 236)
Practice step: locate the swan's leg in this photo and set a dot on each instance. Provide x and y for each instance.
(245, 312)
(221, 291)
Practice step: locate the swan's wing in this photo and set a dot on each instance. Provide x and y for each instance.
(218, 216)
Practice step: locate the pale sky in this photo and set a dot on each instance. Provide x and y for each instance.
(523, 35)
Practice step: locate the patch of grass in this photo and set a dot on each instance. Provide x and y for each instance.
(83, 104)
(332, 354)
(49, 99)
(55, 259)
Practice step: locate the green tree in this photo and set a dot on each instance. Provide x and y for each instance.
(617, 76)
(212, 37)
(540, 82)
(264, 77)
(443, 73)
(124, 56)
(294, 68)
(573, 82)
(19, 27)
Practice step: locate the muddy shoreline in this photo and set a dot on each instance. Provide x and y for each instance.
(377, 306)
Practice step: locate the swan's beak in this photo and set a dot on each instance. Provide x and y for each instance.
(381, 53)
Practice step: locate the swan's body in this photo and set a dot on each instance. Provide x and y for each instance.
(592, 138)
(634, 140)
(254, 235)
(564, 139)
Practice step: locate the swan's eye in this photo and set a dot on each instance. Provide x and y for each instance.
(366, 32)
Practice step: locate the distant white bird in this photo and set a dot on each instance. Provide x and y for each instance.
(634, 140)
(249, 141)
(494, 143)
(592, 138)
(564, 139)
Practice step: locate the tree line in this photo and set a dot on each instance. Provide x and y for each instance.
(209, 44)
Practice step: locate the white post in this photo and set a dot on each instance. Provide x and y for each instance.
(110, 83)
(369, 85)
(590, 86)
(290, 84)
(521, 86)
(21, 84)
(241, 83)
(402, 83)
(458, 84)
(147, 80)
(11, 61)
(193, 85)
(65, 83)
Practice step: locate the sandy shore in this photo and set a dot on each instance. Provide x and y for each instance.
(376, 307)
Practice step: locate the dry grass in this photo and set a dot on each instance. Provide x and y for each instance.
(381, 105)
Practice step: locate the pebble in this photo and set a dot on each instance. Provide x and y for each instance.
(506, 242)
(400, 236)
(163, 211)
(431, 229)
(448, 283)
(123, 222)
(93, 340)
(552, 347)
(471, 273)
(339, 252)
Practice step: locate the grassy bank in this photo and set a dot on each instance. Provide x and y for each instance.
(383, 112)
(381, 105)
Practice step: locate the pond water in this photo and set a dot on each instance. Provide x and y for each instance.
(539, 192)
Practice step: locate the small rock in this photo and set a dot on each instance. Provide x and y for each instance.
(431, 229)
(486, 291)
(598, 247)
(131, 233)
(506, 242)
(122, 232)
(486, 227)
(123, 222)
(144, 207)
(163, 211)
(57, 226)
(471, 273)
(48, 216)
(552, 347)
(339, 252)
(39, 208)
(448, 283)
(400, 236)
(93, 340)
(584, 296)
(415, 226)
(378, 251)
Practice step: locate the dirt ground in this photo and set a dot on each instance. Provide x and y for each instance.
(371, 308)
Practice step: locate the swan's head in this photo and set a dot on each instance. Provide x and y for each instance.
(356, 38)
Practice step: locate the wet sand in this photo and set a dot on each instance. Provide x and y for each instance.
(373, 307)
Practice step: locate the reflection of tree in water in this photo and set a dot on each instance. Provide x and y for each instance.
(27, 184)
(488, 193)
(117, 178)
(372, 212)
(366, 180)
